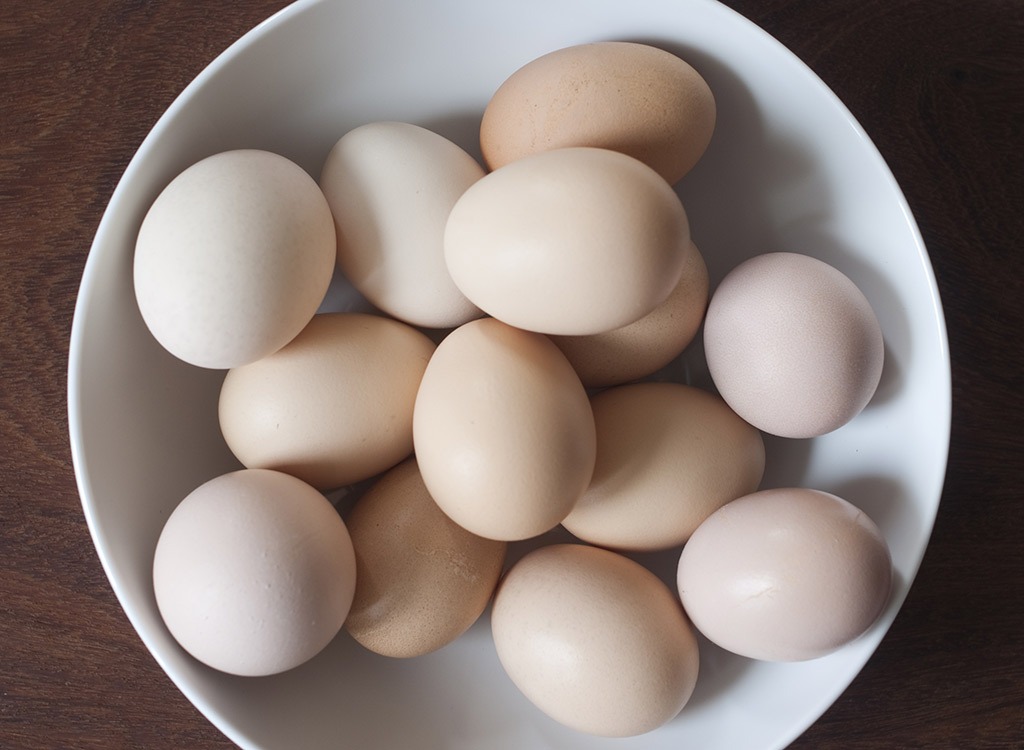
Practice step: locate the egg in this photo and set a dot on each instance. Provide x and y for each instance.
(785, 574)
(334, 406)
(624, 96)
(390, 186)
(793, 345)
(254, 572)
(233, 258)
(423, 579)
(645, 346)
(668, 456)
(594, 640)
(573, 241)
(503, 431)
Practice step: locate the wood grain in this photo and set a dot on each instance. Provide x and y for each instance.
(938, 85)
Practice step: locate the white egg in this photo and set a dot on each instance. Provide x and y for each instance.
(254, 572)
(793, 345)
(233, 258)
(391, 186)
(785, 574)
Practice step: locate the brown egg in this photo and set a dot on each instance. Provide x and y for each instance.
(423, 580)
(668, 456)
(334, 406)
(594, 640)
(623, 96)
(503, 431)
(639, 349)
(785, 574)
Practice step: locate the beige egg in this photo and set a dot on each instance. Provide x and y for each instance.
(254, 572)
(785, 575)
(668, 456)
(639, 349)
(574, 241)
(391, 186)
(624, 96)
(233, 258)
(503, 431)
(423, 579)
(793, 345)
(334, 406)
(594, 640)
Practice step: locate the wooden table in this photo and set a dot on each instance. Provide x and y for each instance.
(939, 86)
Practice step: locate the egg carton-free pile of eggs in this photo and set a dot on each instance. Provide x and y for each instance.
(504, 294)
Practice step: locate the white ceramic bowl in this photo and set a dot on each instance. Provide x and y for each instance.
(788, 169)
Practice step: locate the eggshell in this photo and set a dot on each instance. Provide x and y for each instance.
(334, 406)
(629, 97)
(391, 186)
(233, 258)
(574, 241)
(668, 455)
(254, 572)
(785, 574)
(423, 579)
(641, 348)
(503, 431)
(594, 640)
(793, 345)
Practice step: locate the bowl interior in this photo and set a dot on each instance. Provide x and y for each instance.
(788, 169)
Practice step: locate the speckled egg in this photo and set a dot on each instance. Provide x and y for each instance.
(423, 579)
(625, 96)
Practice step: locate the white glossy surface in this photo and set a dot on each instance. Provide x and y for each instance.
(788, 169)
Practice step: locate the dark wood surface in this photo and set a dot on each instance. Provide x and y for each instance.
(939, 86)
